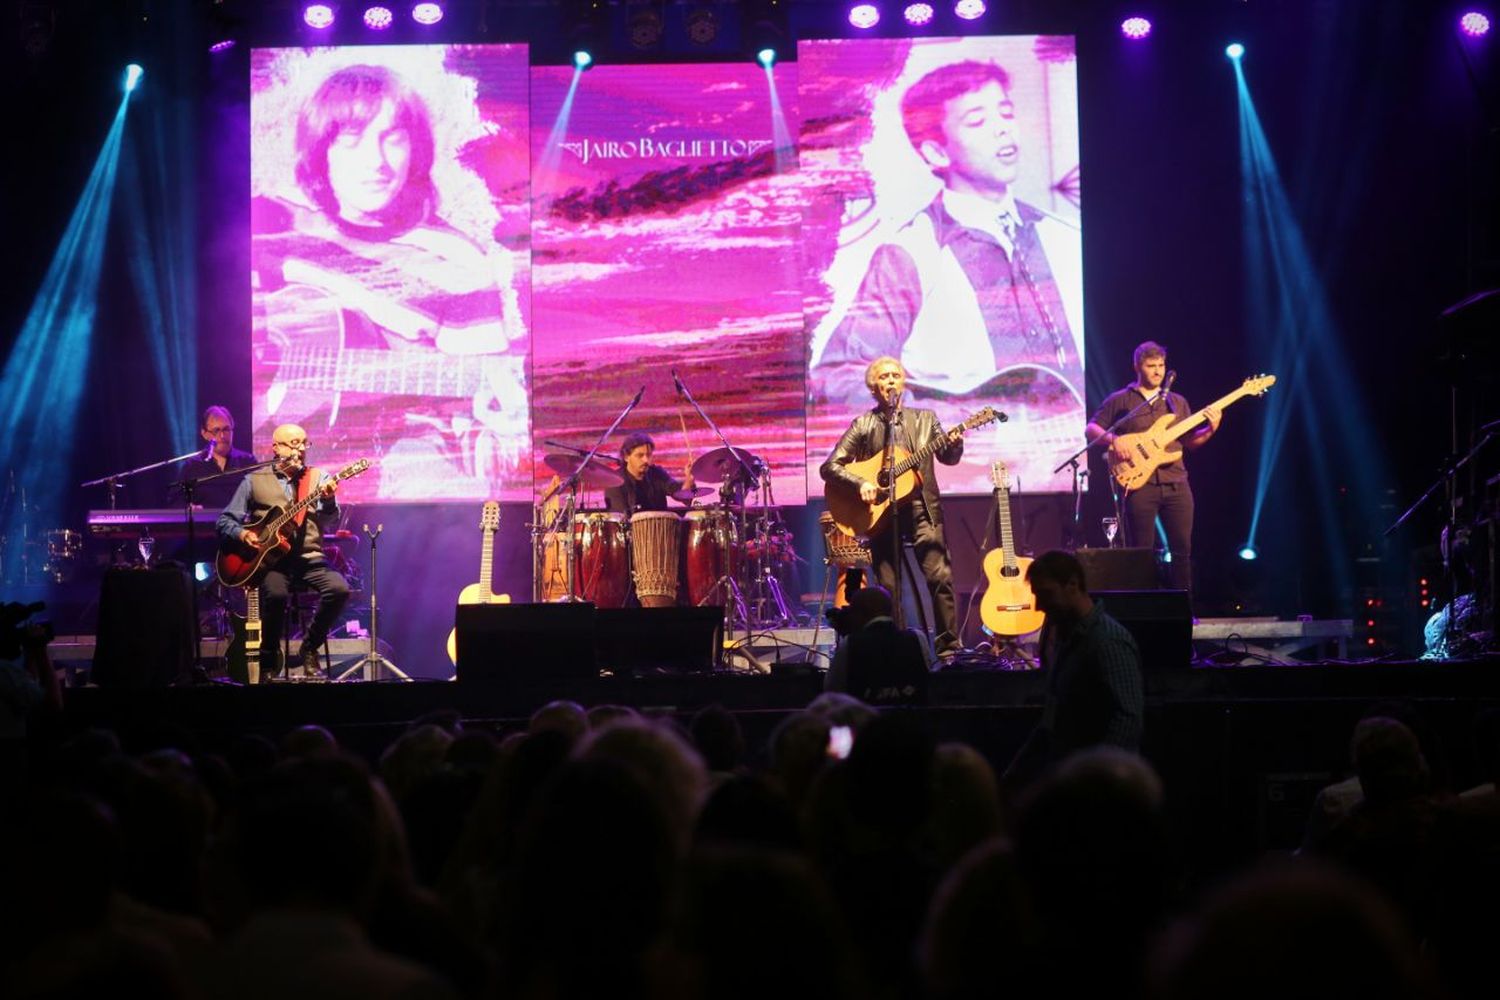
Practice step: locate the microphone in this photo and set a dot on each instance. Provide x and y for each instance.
(1166, 391)
(637, 400)
(681, 392)
(208, 455)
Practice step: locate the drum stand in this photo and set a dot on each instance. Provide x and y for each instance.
(373, 662)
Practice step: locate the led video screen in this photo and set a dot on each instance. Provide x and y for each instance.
(390, 225)
(665, 238)
(942, 228)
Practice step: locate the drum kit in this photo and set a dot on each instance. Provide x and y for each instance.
(734, 552)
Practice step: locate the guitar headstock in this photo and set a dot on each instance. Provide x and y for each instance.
(353, 469)
(1000, 475)
(1256, 385)
(489, 517)
(985, 416)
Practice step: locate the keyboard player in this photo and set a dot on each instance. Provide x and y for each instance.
(220, 455)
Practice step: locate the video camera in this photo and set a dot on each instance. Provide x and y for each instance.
(19, 630)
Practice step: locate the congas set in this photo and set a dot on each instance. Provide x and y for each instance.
(601, 558)
(711, 551)
(654, 556)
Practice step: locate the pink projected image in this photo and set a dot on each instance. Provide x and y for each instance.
(390, 267)
(943, 228)
(665, 237)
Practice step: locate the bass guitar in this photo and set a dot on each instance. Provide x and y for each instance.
(238, 564)
(1009, 606)
(1149, 448)
(480, 593)
(853, 517)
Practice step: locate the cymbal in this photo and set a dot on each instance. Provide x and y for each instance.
(686, 495)
(720, 464)
(596, 473)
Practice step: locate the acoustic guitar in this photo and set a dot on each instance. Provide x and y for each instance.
(480, 593)
(1149, 448)
(853, 517)
(1009, 606)
(237, 563)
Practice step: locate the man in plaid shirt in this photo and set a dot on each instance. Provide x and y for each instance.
(1095, 694)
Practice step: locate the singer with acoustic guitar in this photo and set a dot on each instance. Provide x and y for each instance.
(287, 481)
(921, 519)
(1166, 494)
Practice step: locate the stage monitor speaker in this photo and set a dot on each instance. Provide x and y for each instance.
(679, 640)
(501, 643)
(1119, 569)
(1160, 620)
(145, 637)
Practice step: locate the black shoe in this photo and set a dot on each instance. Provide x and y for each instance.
(270, 668)
(312, 666)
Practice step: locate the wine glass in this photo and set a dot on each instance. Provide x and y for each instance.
(1111, 528)
(145, 545)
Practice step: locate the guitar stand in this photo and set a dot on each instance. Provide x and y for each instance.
(373, 662)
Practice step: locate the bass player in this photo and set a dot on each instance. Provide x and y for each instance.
(286, 481)
(1167, 494)
(921, 521)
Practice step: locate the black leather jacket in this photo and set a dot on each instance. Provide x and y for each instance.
(865, 438)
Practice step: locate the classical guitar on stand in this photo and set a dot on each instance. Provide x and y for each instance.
(1008, 608)
(854, 517)
(1149, 448)
(480, 593)
(238, 564)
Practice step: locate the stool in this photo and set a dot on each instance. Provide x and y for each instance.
(299, 610)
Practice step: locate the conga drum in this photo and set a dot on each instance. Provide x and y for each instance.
(711, 551)
(600, 558)
(849, 557)
(653, 556)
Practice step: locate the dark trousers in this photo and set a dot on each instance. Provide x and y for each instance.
(275, 588)
(932, 555)
(1173, 503)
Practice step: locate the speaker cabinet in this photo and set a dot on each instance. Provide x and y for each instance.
(500, 643)
(146, 629)
(676, 640)
(1160, 620)
(1120, 569)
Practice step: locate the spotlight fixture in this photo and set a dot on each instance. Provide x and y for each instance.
(427, 14)
(1234, 50)
(645, 26)
(317, 15)
(918, 14)
(1135, 28)
(133, 74)
(378, 18)
(969, 10)
(766, 57)
(223, 45)
(582, 59)
(702, 26)
(864, 16)
(1474, 24)
(1248, 553)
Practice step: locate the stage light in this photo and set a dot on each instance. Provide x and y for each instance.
(133, 74)
(1474, 23)
(582, 59)
(969, 10)
(1248, 553)
(864, 15)
(1135, 28)
(222, 46)
(918, 14)
(766, 57)
(1234, 50)
(427, 13)
(378, 18)
(317, 15)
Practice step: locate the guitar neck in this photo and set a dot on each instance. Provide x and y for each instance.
(922, 454)
(1008, 550)
(486, 564)
(391, 373)
(1182, 427)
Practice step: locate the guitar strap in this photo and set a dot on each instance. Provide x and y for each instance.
(304, 487)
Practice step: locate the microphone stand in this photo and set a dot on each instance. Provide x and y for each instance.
(565, 511)
(888, 481)
(1080, 474)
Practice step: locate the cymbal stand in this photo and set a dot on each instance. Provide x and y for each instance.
(373, 662)
(764, 585)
